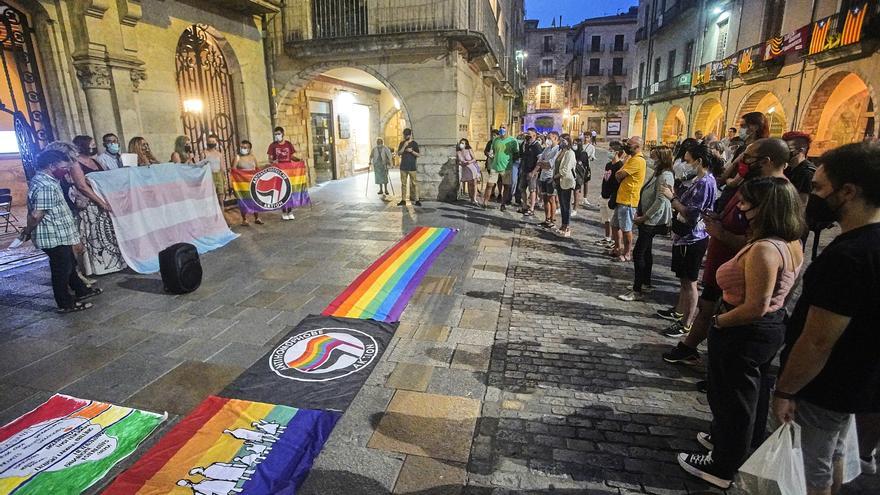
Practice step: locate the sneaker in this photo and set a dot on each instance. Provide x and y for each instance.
(647, 289)
(401, 203)
(602, 242)
(676, 330)
(682, 354)
(285, 216)
(869, 464)
(705, 440)
(631, 296)
(574, 213)
(418, 203)
(702, 466)
(290, 216)
(503, 208)
(670, 314)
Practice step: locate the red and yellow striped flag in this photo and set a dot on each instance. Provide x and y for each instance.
(820, 33)
(852, 27)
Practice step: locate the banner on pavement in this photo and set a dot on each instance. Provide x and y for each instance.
(321, 364)
(227, 446)
(67, 444)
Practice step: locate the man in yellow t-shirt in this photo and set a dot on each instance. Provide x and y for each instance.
(631, 176)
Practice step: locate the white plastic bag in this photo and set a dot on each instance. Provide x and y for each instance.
(852, 467)
(777, 466)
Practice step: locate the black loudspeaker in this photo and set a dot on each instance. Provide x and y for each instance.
(180, 268)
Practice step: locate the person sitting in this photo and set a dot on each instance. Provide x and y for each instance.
(110, 158)
(140, 147)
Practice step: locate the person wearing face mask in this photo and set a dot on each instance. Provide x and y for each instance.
(831, 360)
(282, 151)
(470, 171)
(140, 147)
(752, 127)
(504, 150)
(532, 150)
(545, 178)
(748, 328)
(183, 152)
(408, 151)
(110, 158)
(380, 160)
(800, 169)
(52, 228)
(214, 159)
(631, 177)
(563, 175)
(245, 160)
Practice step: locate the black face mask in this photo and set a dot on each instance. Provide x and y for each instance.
(188, 148)
(93, 151)
(628, 149)
(212, 146)
(819, 210)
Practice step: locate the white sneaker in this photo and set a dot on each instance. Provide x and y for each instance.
(290, 216)
(558, 211)
(869, 465)
(574, 213)
(631, 296)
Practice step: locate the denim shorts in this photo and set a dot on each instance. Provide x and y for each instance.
(622, 218)
(823, 436)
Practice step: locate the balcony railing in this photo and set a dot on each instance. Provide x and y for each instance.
(671, 87)
(620, 48)
(633, 94)
(621, 71)
(595, 73)
(596, 49)
(671, 14)
(844, 29)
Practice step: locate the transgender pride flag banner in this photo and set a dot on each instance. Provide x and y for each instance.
(160, 205)
(279, 186)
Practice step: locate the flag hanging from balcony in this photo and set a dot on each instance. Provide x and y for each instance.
(787, 43)
(280, 186)
(820, 35)
(852, 27)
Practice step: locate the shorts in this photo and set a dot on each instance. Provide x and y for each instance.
(623, 218)
(494, 176)
(687, 258)
(532, 182)
(604, 212)
(823, 436)
(219, 184)
(548, 187)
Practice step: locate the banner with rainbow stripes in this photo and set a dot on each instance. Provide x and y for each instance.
(231, 446)
(284, 185)
(67, 444)
(383, 290)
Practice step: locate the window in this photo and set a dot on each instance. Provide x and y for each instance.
(657, 69)
(670, 65)
(615, 94)
(773, 11)
(544, 97)
(548, 44)
(547, 67)
(721, 44)
(617, 66)
(596, 44)
(618, 42)
(594, 67)
(688, 56)
(592, 95)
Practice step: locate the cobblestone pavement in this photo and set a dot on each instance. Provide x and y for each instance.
(514, 370)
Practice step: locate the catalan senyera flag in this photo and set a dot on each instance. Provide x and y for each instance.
(284, 185)
(231, 446)
(383, 290)
(820, 34)
(67, 444)
(852, 26)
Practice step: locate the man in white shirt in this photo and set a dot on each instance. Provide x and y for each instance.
(110, 159)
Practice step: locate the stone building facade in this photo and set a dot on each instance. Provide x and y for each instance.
(596, 80)
(810, 66)
(548, 52)
(114, 66)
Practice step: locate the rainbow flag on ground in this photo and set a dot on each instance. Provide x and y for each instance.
(284, 185)
(66, 445)
(383, 290)
(231, 446)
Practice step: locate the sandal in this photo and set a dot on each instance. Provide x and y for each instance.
(621, 259)
(78, 306)
(96, 291)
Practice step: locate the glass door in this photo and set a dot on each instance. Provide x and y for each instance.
(322, 140)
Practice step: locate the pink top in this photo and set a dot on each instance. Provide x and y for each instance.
(731, 277)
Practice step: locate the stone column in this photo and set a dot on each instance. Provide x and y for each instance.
(96, 80)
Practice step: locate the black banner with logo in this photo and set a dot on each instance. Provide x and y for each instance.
(321, 364)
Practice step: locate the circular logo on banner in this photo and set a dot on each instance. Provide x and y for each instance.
(323, 354)
(270, 188)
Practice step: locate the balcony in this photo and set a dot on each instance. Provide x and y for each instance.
(595, 73)
(338, 30)
(846, 35)
(668, 89)
(596, 49)
(641, 34)
(620, 48)
(670, 15)
(619, 72)
(634, 95)
(252, 7)
(752, 67)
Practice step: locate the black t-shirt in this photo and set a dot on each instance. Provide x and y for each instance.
(610, 184)
(530, 156)
(801, 177)
(407, 160)
(845, 279)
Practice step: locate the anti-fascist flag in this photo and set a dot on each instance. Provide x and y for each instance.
(279, 186)
(321, 364)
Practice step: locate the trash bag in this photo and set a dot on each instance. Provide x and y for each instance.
(852, 467)
(777, 466)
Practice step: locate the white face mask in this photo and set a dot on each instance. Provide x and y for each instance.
(244, 151)
(461, 146)
(279, 137)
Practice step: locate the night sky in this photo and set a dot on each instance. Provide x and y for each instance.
(573, 11)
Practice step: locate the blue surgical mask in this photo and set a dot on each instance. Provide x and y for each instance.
(113, 148)
(743, 132)
(502, 132)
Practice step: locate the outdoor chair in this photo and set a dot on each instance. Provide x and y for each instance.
(7, 218)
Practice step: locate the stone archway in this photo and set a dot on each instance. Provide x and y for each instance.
(637, 124)
(710, 118)
(674, 125)
(839, 112)
(651, 135)
(766, 102)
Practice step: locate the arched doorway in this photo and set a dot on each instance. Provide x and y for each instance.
(767, 103)
(651, 131)
(840, 112)
(204, 82)
(710, 118)
(637, 124)
(674, 125)
(25, 126)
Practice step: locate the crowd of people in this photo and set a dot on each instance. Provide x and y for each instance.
(739, 211)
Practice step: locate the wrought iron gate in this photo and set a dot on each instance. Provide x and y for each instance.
(203, 75)
(27, 103)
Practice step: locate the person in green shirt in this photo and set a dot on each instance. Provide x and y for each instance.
(504, 148)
